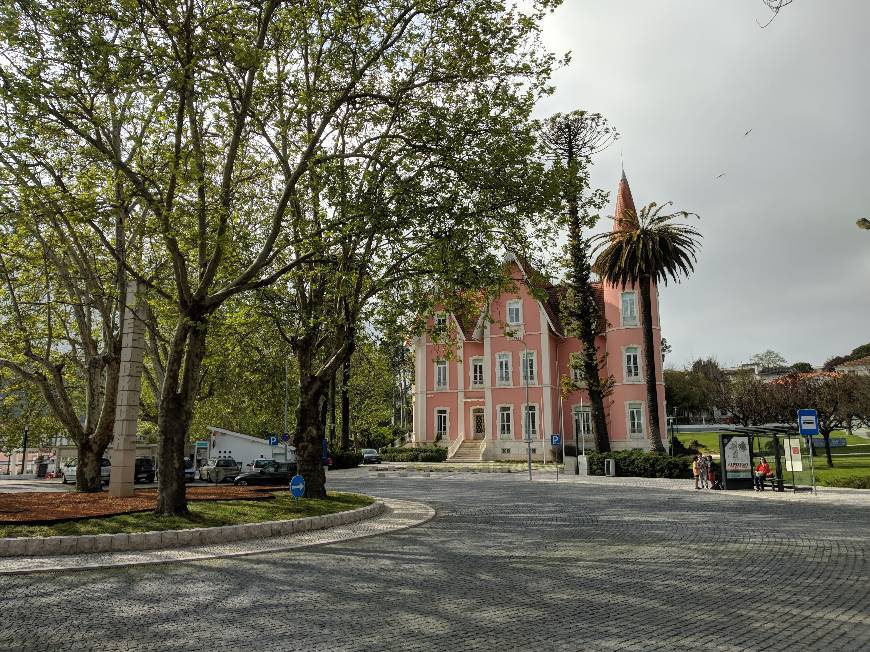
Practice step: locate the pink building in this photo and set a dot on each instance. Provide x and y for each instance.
(502, 375)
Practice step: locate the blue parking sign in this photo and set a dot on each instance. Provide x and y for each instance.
(555, 440)
(273, 440)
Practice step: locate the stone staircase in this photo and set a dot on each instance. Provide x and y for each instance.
(468, 451)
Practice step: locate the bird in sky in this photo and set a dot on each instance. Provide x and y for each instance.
(719, 177)
(748, 132)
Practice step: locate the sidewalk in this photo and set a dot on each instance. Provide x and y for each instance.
(825, 494)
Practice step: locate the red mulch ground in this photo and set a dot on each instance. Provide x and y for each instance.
(50, 507)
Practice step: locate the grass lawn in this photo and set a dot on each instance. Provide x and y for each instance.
(709, 440)
(845, 467)
(202, 514)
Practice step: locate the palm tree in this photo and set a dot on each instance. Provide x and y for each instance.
(645, 249)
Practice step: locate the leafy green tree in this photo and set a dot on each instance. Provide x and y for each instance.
(570, 140)
(802, 367)
(769, 359)
(228, 125)
(648, 248)
(22, 405)
(60, 325)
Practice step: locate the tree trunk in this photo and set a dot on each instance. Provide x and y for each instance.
(180, 388)
(88, 478)
(596, 399)
(827, 437)
(309, 434)
(344, 443)
(653, 431)
(331, 400)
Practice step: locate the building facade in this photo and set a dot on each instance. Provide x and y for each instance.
(490, 380)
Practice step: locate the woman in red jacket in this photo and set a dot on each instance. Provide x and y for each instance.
(761, 472)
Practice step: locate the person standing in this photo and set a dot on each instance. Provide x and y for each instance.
(704, 469)
(696, 469)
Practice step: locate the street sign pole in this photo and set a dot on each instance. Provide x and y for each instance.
(808, 424)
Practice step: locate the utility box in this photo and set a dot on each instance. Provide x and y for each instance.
(582, 465)
(570, 465)
(610, 467)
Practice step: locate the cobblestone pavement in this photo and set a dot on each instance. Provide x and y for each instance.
(505, 565)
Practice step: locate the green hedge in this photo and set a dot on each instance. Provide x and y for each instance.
(639, 464)
(346, 459)
(426, 454)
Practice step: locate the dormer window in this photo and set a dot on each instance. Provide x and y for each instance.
(629, 309)
(515, 312)
(440, 322)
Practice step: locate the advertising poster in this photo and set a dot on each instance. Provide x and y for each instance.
(737, 460)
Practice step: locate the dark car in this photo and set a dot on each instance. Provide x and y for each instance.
(189, 470)
(370, 456)
(273, 473)
(144, 470)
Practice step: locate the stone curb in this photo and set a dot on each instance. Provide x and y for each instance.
(90, 543)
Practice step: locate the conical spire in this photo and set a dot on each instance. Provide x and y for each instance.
(624, 202)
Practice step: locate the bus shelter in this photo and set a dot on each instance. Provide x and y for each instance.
(787, 453)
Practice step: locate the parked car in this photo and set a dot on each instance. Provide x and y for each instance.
(370, 456)
(256, 465)
(277, 473)
(144, 470)
(68, 472)
(219, 469)
(189, 470)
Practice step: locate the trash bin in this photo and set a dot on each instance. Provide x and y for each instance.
(41, 469)
(610, 467)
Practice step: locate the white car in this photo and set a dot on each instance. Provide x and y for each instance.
(68, 472)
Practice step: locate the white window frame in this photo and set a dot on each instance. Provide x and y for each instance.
(499, 357)
(624, 320)
(586, 413)
(439, 365)
(439, 411)
(518, 304)
(634, 406)
(533, 409)
(509, 410)
(574, 361)
(631, 350)
(533, 357)
(442, 326)
(477, 362)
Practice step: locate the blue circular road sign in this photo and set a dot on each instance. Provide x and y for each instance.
(285, 436)
(297, 486)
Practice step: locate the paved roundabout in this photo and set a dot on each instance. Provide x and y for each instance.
(505, 564)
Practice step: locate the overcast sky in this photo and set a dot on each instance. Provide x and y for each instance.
(783, 265)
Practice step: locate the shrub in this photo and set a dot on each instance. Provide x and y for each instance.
(425, 454)
(639, 464)
(346, 459)
(852, 482)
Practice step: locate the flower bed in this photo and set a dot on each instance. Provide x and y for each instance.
(46, 507)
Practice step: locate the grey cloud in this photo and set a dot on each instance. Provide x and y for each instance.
(783, 265)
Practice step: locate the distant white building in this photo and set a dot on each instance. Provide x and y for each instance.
(861, 366)
(244, 449)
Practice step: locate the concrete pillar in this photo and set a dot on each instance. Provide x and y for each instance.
(129, 385)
